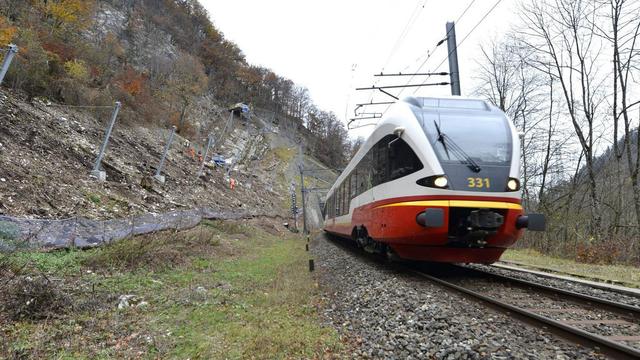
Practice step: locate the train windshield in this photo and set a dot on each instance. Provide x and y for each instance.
(484, 140)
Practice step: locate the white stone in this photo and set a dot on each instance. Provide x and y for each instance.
(99, 175)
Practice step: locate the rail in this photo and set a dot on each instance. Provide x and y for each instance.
(610, 346)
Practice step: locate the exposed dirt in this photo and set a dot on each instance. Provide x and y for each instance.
(47, 152)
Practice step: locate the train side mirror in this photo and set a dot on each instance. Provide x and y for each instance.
(397, 132)
(532, 222)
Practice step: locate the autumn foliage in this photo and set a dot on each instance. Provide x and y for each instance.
(7, 31)
(158, 57)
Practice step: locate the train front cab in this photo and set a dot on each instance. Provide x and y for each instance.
(446, 229)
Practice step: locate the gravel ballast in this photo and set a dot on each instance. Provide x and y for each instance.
(389, 314)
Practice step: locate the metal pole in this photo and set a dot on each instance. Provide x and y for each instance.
(304, 210)
(204, 157)
(454, 71)
(166, 150)
(12, 50)
(294, 207)
(226, 125)
(114, 115)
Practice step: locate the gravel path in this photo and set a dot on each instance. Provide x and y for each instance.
(564, 284)
(389, 314)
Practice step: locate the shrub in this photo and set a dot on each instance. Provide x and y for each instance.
(33, 298)
(30, 69)
(77, 69)
(605, 252)
(7, 31)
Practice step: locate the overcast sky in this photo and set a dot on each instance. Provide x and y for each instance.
(332, 47)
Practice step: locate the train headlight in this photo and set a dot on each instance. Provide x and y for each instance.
(440, 182)
(513, 184)
(437, 181)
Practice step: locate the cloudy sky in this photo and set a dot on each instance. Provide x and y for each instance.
(332, 46)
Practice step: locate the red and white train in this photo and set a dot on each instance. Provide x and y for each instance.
(437, 180)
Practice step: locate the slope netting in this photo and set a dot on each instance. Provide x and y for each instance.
(17, 233)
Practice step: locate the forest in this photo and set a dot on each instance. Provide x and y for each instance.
(568, 75)
(158, 57)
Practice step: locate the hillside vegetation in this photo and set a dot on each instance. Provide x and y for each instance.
(160, 58)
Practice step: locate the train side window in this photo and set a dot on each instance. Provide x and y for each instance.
(345, 199)
(339, 201)
(364, 173)
(333, 205)
(402, 160)
(354, 184)
(336, 202)
(347, 185)
(375, 165)
(339, 207)
(381, 160)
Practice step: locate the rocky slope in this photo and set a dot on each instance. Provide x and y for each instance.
(47, 152)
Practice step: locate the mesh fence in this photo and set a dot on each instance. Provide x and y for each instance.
(17, 233)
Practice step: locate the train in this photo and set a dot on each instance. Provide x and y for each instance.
(436, 181)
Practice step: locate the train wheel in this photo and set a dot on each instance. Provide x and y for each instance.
(360, 236)
(391, 255)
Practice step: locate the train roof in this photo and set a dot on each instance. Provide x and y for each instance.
(449, 104)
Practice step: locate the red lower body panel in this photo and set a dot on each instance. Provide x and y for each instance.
(393, 222)
(448, 254)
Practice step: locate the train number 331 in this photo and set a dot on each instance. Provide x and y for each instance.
(478, 182)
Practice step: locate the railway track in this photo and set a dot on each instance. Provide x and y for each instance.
(606, 326)
(624, 288)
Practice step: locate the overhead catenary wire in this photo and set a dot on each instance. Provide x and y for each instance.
(465, 37)
(414, 16)
(432, 51)
(440, 42)
(442, 73)
(412, 19)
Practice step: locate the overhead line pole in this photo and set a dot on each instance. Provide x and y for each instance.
(304, 207)
(454, 71)
(12, 50)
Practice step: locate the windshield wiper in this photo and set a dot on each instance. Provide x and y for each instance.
(456, 150)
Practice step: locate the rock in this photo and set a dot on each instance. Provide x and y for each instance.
(125, 301)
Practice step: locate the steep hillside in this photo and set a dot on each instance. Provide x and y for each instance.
(163, 59)
(47, 152)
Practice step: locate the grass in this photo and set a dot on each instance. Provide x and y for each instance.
(94, 198)
(226, 290)
(285, 154)
(627, 275)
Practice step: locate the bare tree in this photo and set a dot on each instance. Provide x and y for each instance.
(622, 33)
(562, 35)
